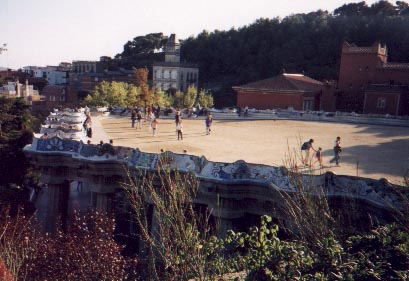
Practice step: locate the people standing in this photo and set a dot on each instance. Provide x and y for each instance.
(177, 119)
(133, 117)
(307, 146)
(179, 129)
(209, 121)
(154, 125)
(149, 118)
(138, 119)
(88, 126)
(337, 151)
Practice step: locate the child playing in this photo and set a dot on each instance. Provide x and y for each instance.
(179, 129)
(318, 154)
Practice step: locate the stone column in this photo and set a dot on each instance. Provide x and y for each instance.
(56, 209)
(103, 202)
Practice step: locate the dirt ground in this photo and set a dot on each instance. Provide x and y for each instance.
(368, 150)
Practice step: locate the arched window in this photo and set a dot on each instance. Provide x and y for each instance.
(381, 102)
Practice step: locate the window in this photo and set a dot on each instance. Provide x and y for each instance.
(166, 74)
(158, 74)
(174, 74)
(381, 103)
(52, 98)
(308, 104)
(62, 98)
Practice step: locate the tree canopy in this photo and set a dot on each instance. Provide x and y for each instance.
(299, 43)
(15, 133)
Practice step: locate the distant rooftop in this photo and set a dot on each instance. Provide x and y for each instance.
(285, 82)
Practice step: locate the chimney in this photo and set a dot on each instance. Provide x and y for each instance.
(26, 93)
(18, 89)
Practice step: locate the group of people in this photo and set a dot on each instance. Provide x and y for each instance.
(152, 116)
(307, 146)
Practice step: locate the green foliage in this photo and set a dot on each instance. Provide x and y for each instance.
(189, 97)
(141, 45)
(115, 93)
(205, 100)
(15, 133)
(178, 99)
(128, 95)
(309, 43)
(163, 99)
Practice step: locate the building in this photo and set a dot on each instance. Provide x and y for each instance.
(285, 91)
(370, 84)
(172, 73)
(18, 90)
(54, 75)
(59, 96)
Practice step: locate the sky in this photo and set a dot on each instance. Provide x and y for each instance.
(47, 32)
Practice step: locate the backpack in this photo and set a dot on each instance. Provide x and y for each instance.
(305, 146)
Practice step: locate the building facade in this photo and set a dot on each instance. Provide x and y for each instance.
(18, 90)
(369, 81)
(54, 75)
(172, 73)
(284, 91)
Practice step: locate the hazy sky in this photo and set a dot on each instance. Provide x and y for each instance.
(47, 32)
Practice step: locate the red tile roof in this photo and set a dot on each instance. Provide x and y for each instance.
(284, 82)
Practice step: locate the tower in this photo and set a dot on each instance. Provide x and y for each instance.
(358, 65)
(172, 49)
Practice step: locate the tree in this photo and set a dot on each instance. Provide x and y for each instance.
(176, 246)
(205, 100)
(178, 99)
(163, 99)
(352, 9)
(141, 80)
(15, 133)
(189, 98)
(142, 45)
(86, 251)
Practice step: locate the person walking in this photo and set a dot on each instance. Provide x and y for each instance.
(179, 128)
(133, 118)
(154, 125)
(307, 146)
(138, 119)
(209, 121)
(337, 151)
(178, 117)
(149, 118)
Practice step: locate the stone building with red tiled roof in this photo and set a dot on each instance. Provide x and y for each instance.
(283, 91)
(367, 83)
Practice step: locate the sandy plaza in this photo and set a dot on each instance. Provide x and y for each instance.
(371, 151)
